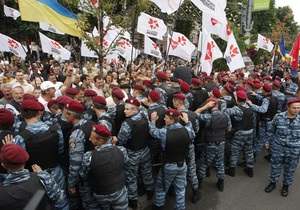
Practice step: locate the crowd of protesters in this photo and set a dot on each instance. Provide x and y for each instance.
(96, 135)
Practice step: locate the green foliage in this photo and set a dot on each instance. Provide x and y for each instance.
(184, 26)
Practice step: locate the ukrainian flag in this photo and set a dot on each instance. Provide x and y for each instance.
(50, 11)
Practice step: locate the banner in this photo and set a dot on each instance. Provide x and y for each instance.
(295, 53)
(216, 24)
(48, 27)
(150, 48)
(210, 52)
(8, 44)
(233, 55)
(180, 46)
(261, 5)
(168, 6)
(211, 6)
(151, 26)
(281, 46)
(54, 48)
(11, 12)
(264, 43)
(124, 49)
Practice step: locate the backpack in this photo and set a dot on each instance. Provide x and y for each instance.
(272, 109)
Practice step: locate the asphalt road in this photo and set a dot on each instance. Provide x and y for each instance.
(242, 192)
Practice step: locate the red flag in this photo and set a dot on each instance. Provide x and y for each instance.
(295, 53)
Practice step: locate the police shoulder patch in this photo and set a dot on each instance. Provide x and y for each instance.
(72, 144)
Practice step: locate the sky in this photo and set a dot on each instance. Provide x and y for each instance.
(294, 4)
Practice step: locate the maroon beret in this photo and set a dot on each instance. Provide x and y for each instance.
(208, 77)
(256, 81)
(29, 96)
(268, 78)
(277, 84)
(146, 81)
(101, 130)
(185, 87)
(227, 87)
(288, 77)
(172, 112)
(161, 75)
(255, 74)
(179, 96)
(74, 106)
(154, 95)
(278, 78)
(249, 83)
(13, 154)
(267, 88)
(241, 95)
(72, 91)
(241, 74)
(64, 100)
(293, 100)
(133, 101)
(138, 87)
(240, 88)
(212, 99)
(257, 85)
(30, 105)
(90, 93)
(216, 92)
(100, 100)
(196, 81)
(231, 81)
(51, 102)
(118, 93)
(7, 118)
(41, 106)
(204, 73)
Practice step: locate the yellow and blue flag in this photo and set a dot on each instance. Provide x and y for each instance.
(281, 45)
(49, 11)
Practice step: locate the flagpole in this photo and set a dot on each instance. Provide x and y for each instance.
(132, 37)
(168, 48)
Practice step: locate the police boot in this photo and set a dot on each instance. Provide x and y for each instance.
(270, 187)
(220, 185)
(285, 190)
(196, 196)
(154, 207)
(133, 204)
(268, 157)
(200, 183)
(230, 171)
(249, 171)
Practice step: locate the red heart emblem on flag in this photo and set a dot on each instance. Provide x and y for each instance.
(228, 30)
(173, 43)
(56, 44)
(13, 43)
(153, 23)
(214, 21)
(233, 51)
(154, 46)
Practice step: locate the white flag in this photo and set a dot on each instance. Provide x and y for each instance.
(180, 46)
(150, 48)
(54, 48)
(11, 12)
(216, 24)
(85, 51)
(151, 26)
(210, 52)
(211, 6)
(264, 43)
(124, 48)
(8, 44)
(233, 55)
(47, 27)
(168, 6)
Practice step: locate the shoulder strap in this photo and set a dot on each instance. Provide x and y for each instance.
(26, 134)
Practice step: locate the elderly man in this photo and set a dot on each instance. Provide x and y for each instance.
(7, 94)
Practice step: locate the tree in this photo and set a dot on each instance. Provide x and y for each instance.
(106, 15)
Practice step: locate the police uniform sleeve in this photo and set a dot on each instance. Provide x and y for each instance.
(124, 151)
(106, 124)
(124, 133)
(229, 125)
(160, 134)
(263, 108)
(190, 130)
(55, 194)
(19, 140)
(205, 119)
(61, 144)
(112, 112)
(76, 152)
(86, 190)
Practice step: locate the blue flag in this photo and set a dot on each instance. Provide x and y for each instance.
(282, 45)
